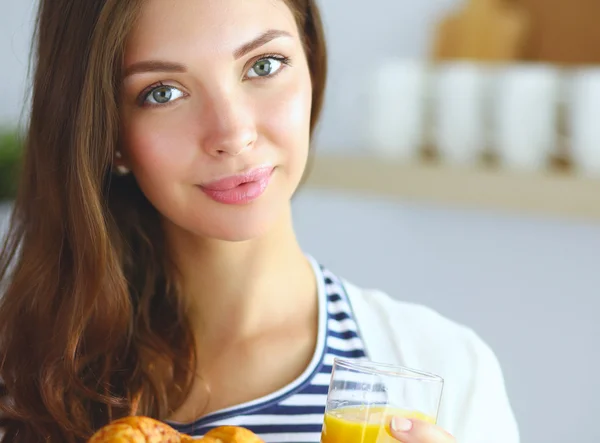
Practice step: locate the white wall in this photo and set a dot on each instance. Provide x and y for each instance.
(16, 26)
(529, 286)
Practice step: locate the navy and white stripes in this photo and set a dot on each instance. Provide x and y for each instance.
(295, 413)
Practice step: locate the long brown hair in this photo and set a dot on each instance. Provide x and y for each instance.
(91, 325)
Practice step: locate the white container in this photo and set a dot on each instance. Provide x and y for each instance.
(525, 115)
(583, 101)
(396, 109)
(459, 112)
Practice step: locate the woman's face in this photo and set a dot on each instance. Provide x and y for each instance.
(216, 112)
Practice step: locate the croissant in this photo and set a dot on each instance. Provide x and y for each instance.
(147, 430)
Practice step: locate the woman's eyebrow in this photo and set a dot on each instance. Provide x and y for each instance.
(259, 41)
(154, 66)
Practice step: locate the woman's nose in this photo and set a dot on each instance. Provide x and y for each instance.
(230, 127)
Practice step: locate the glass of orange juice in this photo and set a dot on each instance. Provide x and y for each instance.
(364, 396)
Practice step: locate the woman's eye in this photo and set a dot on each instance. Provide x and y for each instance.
(265, 67)
(161, 95)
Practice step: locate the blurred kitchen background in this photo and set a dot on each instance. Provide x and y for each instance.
(457, 165)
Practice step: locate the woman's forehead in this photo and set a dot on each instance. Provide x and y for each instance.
(167, 27)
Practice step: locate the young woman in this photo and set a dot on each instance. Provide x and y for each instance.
(151, 266)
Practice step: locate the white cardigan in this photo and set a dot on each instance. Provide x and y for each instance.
(475, 406)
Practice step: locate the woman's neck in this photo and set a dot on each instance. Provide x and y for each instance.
(237, 290)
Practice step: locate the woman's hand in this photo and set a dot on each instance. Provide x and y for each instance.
(417, 431)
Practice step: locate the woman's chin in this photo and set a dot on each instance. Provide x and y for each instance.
(228, 227)
(238, 232)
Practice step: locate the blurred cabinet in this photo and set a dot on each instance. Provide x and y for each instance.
(485, 30)
(558, 31)
(563, 31)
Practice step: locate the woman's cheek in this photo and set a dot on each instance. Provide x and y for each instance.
(161, 143)
(287, 118)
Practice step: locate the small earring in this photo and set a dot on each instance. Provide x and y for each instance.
(121, 170)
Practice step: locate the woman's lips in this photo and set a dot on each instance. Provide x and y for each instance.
(239, 189)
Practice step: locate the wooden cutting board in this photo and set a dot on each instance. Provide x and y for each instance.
(487, 30)
(564, 31)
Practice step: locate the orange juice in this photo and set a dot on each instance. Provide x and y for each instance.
(364, 424)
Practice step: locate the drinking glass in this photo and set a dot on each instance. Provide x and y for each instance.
(364, 396)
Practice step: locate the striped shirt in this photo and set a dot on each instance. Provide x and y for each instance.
(295, 413)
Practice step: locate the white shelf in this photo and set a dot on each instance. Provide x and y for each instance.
(544, 193)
